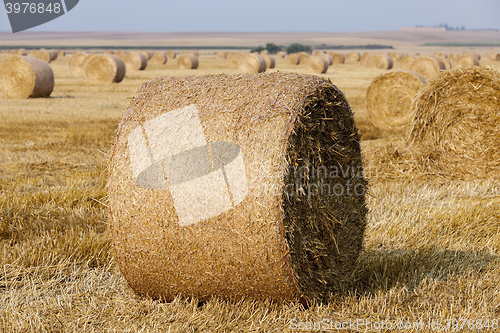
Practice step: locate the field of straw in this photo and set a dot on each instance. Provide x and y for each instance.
(431, 258)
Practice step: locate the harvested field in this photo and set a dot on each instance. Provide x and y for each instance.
(431, 246)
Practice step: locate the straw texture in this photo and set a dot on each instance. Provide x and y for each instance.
(23, 77)
(253, 225)
(456, 120)
(389, 97)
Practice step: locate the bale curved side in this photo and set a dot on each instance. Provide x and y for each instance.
(456, 123)
(249, 210)
(23, 77)
(389, 96)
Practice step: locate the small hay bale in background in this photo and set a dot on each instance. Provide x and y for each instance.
(218, 193)
(105, 68)
(352, 56)
(234, 60)
(264, 52)
(53, 54)
(23, 77)
(406, 62)
(86, 61)
(147, 54)
(337, 58)
(220, 55)
(395, 56)
(191, 52)
(107, 52)
(467, 60)
(281, 54)
(76, 62)
(42, 54)
(456, 120)
(316, 65)
(292, 59)
(303, 57)
(389, 97)
(379, 61)
(327, 57)
(270, 61)
(453, 58)
(187, 61)
(21, 52)
(171, 54)
(135, 61)
(363, 58)
(61, 53)
(120, 54)
(427, 66)
(446, 62)
(158, 58)
(252, 64)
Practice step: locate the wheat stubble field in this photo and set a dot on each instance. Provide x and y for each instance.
(432, 245)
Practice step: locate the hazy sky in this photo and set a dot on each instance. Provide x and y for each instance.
(269, 15)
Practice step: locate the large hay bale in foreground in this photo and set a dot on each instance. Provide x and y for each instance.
(252, 64)
(406, 62)
(218, 193)
(105, 68)
(234, 60)
(75, 64)
(427, 66)
(187, 61)
(23, 77)
(352, 56)
(316, 65)
(158, 58)
(456, 120)
(389, 97)
(135, 61)
(292, 59)
(379, 61)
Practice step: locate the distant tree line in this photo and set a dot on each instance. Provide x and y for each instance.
(444, 26)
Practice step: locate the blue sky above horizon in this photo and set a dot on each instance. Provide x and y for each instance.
(270, 16)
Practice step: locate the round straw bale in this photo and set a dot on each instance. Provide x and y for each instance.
(191, 52)
(23, 77)
(456, 120)
(220, 55)
(446, 62)
(395, 56)
(170, 54)
(21, 52)
(440, 54)
(453, 58)
(135, 61)
(264, 52)
(406, 62)
(252, 63)
(316, 65)
(234, 60)
(61, 53)
(389, 97)
(363, 58)
(107, 52)
(86, 61)
(218, 193)
(53, 54)
(352, 56)
(328, 58)
(303, 57)
(427, 66)
(105, 68)
(270, 61)
(477, 55)
(338, 58)
(281, 54)
(467, 60)
(76, 67)
(496, 57)
(187, 61)
(43, 54)
(147, 54)
(120, 54)
(379, 61)
(292, 59)
(158, 58)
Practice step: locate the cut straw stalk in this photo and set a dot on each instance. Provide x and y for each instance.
(23, 77)
(389, 97)
(215, 193)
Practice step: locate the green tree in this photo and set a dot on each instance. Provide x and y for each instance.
(257, 49)
(296, 47)
(272, 48)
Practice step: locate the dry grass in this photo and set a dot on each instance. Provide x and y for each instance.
(432, 242)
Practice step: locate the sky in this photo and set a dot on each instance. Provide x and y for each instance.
(269, 15)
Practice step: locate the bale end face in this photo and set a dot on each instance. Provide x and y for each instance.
(106, 69)
(215, 193)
